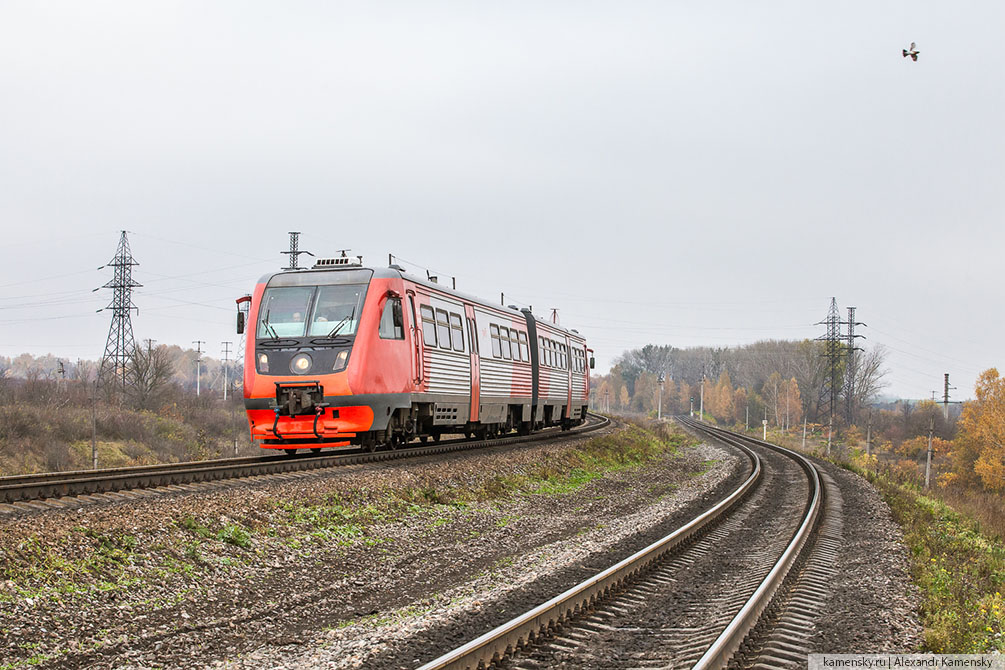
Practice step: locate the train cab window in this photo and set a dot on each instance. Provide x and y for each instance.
(428, 325)
(504, 342)
(443, 328)
(457, 333)
(284, 311)
(392, 323)
(524, 351)
(496, 346)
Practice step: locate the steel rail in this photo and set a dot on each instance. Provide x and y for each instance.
(729, 641)
(27, 488)
(493, 645)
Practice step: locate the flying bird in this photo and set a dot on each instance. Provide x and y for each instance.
(912, 52)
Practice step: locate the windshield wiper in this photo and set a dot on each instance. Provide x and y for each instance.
(268, 327)
(338, 326)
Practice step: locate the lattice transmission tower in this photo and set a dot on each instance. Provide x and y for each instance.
(852, 367)
(832, 352)
(294, 252)
(120, 345)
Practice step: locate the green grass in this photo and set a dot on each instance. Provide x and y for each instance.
(959, 570)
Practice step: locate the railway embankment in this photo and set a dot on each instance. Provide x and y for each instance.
(346, 560)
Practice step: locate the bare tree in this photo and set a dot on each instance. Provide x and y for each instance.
(152, 372)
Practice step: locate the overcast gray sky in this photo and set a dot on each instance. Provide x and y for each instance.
(671, 172)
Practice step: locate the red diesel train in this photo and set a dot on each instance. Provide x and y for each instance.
(345, 354)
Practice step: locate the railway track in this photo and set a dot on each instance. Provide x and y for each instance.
(38, 492)
(737, 586)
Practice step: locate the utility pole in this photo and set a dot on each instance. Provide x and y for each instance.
(659, 406)
(150, 345)
(692, 407)
(198, 363)
(94, 425)
(928, 461)
(804, 433)
(701, 406)
(945, 397)
(746, 421)
(764, 424)
(226, 361)
(830, 434)
(868, 436)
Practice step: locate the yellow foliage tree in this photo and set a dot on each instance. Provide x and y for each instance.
(684, 397)
(722, 398)
(982, 424)
(740, 404)
(791, 404)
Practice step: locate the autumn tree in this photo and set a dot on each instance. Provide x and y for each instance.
(722, 398)
(982, 429)
(791, 403)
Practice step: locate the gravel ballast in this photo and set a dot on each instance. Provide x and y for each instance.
(195, 579)
(264, 576)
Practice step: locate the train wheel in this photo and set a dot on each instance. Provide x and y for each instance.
(423, 439)
(290, 452)
(524, 428)
(315, 450)
(436, 438)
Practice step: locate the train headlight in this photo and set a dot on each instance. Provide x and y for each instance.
(301, 364)
(263, 362)
(340, 360)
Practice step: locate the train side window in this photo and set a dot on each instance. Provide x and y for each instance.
(524, 351)
(392, 323)
(472, 336)
(443, 328)
(514, 345)
(504, 342)
(548, 353)
(496, 347)
(458, 332)
(428, 325)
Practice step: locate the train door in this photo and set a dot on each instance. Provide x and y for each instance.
(469, 313)
(416, 330)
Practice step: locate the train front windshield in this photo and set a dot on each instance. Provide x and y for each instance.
(310, 311)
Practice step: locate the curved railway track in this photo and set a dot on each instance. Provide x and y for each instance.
(711, 593)
(41, 491)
